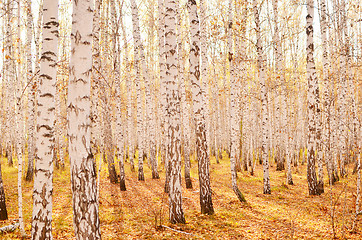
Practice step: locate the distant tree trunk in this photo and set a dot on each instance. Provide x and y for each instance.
(204, 68)
(58, 148)
(3, 211)
(312, 102)
(202, 151)
(8, 78)
(31, 94)
(264, 99)
(148, 78)
(233, 108)
(83, 168)
(118, 95)
(108, 140)
(219, 123)
(119, 109)
(173, 113)
(17, 117)
(288, 150)
(342, 90)
(185, 116)
(319, 149)
(358, 191)
(138, 56)
(149, 106)
(334, 139)
(129, 97)
(282, 98)
(163, 100)
(186, 134)
(326, 94)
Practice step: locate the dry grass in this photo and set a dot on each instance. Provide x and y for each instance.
(285, 214)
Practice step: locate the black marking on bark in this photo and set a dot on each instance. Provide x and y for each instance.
(45, 76)
(46, 95)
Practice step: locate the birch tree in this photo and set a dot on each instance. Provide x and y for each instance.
(312, 102)
(173, 114)
(138, 57)
(202, 151)
(264, 99)
(3, 210)
(82, 164)
(31, 94)
(129, 106)
(43, 179)
(233, 108)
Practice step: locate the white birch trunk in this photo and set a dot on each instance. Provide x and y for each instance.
(173, 113)
(83, 171)
(31, 94)
(234, 124)
(138, 57)
(312, 102)
(130, 99)
(18, 138)
(186, 134)
(8, 76)
(199, 106)
(264, 99)
(326, 114)
(43, 178)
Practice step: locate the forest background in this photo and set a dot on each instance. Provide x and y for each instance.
(124, 97)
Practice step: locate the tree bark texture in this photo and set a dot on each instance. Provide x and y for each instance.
(202, 151)
(82, 164)
(45, 130)
(173, 114)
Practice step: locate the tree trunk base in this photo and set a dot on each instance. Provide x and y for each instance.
(9, 156)
(245, 165)
(280, 166)
(122, 185)
(155, 175)
(268, 191)
(320, 187)
(207, 208)
(29, 175)
(30, 172)
(112, 174)
(188, 182)
(239, 195)
(167, 188)
(141, 176)
(335, 178)
(132, 168)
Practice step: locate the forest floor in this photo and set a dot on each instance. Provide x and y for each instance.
(288, 213)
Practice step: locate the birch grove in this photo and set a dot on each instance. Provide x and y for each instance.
(133, 92)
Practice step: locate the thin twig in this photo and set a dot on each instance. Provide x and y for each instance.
(177, 230)
(32, 78)
(104, 79)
